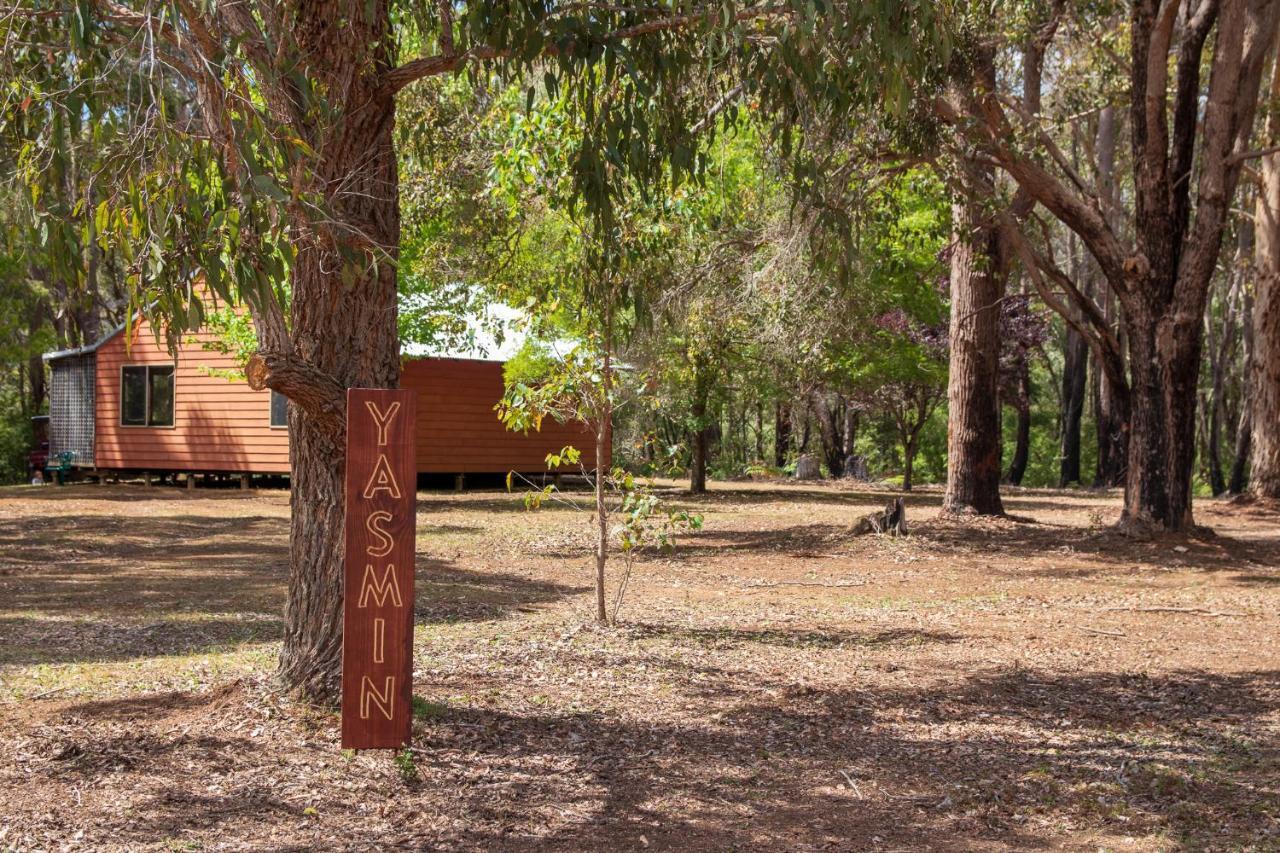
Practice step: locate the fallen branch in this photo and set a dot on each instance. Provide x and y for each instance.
(804, 583)
(1194, 611)
(1103, 632)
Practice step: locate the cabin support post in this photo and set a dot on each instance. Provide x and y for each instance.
(459, 482)
(191, 480)
(555, 479)
(245, 482)
(146, 478)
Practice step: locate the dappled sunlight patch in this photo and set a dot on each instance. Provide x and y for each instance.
(772, 684)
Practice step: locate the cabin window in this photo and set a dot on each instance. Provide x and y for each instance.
(146, 395)
(279, 410)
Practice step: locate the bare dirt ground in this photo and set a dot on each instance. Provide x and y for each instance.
(775, 684)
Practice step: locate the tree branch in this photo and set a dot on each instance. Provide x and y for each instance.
(448, 61)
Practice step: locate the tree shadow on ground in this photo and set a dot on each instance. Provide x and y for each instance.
(133, 493)
(1017, 751)
(1104, 547)
(100, 588)
(1012, 757)
(818, 638)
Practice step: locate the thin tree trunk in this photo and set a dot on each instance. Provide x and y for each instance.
(910, 447)
(829, 433)
(1111, 393)
(1222, 347)
(781, 433)
(849, 440)
(604, 441)
(1244, 426)
(701, 429)
(698, 465)
(973, 423)
(1022, 434)
(1111, 411)
(759, 432)
(1075, 372)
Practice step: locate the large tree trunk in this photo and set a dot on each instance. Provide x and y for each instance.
(1264, 366)
(343, 333)
(973, 423)
(1167, 283)
(1164, 360)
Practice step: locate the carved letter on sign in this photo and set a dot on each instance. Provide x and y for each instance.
(377, 622)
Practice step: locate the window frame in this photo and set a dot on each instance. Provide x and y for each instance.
(147, 368)
(271, 410)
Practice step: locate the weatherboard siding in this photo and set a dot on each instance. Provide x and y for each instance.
(219, 424)
(223, 425)
(459, 431)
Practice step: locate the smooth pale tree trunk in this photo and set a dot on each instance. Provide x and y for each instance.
(849, 438)
(973, 423)
(1111, 391)
(1264, 367)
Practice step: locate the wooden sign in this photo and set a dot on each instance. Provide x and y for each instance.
(377, 622)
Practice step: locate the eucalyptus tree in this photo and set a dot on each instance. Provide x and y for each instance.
(263, 164)
(1262, 433)
(1190, 138)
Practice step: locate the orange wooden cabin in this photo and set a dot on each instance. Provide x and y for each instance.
(137, 408)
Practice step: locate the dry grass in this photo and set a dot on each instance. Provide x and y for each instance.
(990, 685)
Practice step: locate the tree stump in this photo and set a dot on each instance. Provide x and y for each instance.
(808, 468)
(892, 520)
(855, 468)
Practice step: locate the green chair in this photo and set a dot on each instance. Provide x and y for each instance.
(59, 465)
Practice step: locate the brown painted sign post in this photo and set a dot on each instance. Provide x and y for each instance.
(377, 623)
